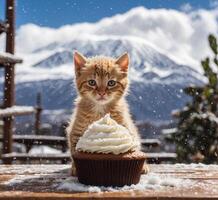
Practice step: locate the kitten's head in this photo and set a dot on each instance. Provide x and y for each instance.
(101, 79)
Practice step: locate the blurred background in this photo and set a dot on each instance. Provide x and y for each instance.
(166, 41)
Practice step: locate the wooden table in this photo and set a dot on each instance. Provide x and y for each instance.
(37, 182)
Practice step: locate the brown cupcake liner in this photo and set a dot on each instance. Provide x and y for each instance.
(108, 172)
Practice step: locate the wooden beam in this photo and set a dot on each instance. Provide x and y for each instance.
(30, 140)
(10, 20)
(38, 113)
(150, 142)
(16, 111)
(39, 139)
(25, 157)
(9, 86)
(159, 157)
(6, 59)
(150, 157)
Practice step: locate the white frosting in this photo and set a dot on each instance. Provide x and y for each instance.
(106, 136)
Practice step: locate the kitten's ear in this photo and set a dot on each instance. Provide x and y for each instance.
(79, 61)
(123, 62)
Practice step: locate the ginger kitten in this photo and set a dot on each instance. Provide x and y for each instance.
(102, 83)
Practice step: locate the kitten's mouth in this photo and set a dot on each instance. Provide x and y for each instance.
(101, 99)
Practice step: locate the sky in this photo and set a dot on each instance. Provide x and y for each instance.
(56, 13)
(179, 29)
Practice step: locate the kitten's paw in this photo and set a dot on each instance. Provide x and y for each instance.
(73, 170)
(145, 169)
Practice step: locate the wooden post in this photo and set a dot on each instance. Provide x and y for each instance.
(63, 134)
(38, 113)
(9, 86)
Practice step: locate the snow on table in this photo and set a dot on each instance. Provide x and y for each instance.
(178, 181)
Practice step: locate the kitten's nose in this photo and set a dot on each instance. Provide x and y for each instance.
(101, 93)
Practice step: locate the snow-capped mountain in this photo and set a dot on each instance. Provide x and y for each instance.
(157, 40)
(156, 80)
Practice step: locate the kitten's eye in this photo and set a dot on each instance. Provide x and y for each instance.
(92, 82)
(111, 83)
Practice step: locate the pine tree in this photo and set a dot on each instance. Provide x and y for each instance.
(196, 138)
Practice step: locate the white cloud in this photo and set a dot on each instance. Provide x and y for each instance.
(186, 7)
(180, 34)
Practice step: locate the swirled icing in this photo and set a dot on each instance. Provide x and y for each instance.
(106, 136)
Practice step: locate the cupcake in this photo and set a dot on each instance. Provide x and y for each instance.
(107, 155)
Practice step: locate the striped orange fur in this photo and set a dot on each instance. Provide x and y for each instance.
(102, 83)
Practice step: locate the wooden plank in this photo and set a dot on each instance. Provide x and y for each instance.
(160, 157)
(150, 157)
(29, 157)
(150, 142)
(6, 59)
(30, 140)
(39, 181)
(16, 111)
(38, 140)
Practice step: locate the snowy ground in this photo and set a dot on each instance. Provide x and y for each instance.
(148, 181)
